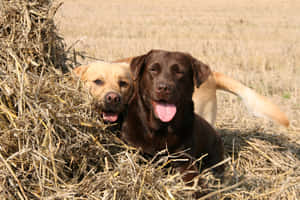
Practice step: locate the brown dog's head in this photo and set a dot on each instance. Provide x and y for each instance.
(110, 84)
(165, 80)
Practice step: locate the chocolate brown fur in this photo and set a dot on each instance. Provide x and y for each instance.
(170, 77)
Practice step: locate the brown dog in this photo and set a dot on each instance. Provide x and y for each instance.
(205, 100)
(110, 84)
(161, 112)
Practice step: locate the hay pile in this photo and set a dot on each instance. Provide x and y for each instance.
(53, 145)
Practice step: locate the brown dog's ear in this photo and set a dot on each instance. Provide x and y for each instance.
(79, 71)
(137, 65)
(201, 72)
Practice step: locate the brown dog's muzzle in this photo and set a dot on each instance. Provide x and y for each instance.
(164, 102)
(163, 87)
(164, 92)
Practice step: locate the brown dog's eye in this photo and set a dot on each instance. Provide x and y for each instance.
(123, 84)
(154, 68)
(98, 82)
(177, 71)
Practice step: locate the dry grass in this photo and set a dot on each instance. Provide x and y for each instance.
(53, 144)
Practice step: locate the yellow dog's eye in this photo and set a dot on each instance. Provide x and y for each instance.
(123, 84)
(98, 82)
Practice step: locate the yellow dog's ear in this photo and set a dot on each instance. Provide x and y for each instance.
(80, 71)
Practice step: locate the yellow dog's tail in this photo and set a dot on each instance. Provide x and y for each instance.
(256, 103)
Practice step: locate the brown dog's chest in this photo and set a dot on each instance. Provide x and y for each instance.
(167, 137)
(143, 130)
(152, 142)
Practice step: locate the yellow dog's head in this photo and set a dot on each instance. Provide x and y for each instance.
(110, 84)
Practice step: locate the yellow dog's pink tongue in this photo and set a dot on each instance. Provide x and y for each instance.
(110, 117)
(165, 112)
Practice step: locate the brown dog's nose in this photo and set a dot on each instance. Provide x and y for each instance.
(112, 97)
(162, 87)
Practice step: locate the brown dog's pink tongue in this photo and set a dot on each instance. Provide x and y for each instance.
(165, 112)
(110, 117)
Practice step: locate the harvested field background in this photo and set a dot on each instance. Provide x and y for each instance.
(53, 144)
